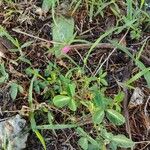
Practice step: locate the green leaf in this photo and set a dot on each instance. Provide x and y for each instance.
(27, 44)
(71, 89)
(93, 147)
(113, 146)
(98, 116)
(81, 132)
(100, 100)
(23, 59)
(129, 10)
(106, 33)
(106, 135)
(56, 126)
(50, 117)
(104, 82)
(137, 62)
(72, 105)
(13, 91)
(119, 97)
(47, 4)
(142, 3)
(138, 75)
(2, 79)
(122, 141)
(20, 88)
(115, 117)
(40, 137)
(83, 142)
(61, 101)
(63, 29)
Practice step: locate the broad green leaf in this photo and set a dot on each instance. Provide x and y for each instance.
(63, 30)
(61, 101)
(37, 89)
(93, 147)
(115, 117)
(13, 91)
(47, 4)
(122, 141)
(106, 135)
(119, 97)
(81, 132)
(98, 116)
(20, 88)
(2, 79)
(71, 89)
(100, 100)
(83, 142)
(113, 146)
(104, 82)
(72, 105)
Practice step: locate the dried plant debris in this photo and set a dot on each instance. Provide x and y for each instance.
(137, 97)
(12, 136)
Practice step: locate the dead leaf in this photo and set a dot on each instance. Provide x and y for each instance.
(15, 72)
(62, 63)
(137, 97)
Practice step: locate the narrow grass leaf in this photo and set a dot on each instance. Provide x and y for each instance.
(142, 3)
(129, 9)
(97, 42)
(137, 62)
(30, 101)
(92, 9)
(40, 137)
(57, 126)
(138, 75)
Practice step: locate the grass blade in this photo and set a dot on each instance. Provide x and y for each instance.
(57, 126)
(138, 63)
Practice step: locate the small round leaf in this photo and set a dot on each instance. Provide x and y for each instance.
(72, 105)
(98, 116)
(61, 101)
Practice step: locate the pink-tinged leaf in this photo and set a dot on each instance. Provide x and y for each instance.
(66, 49)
